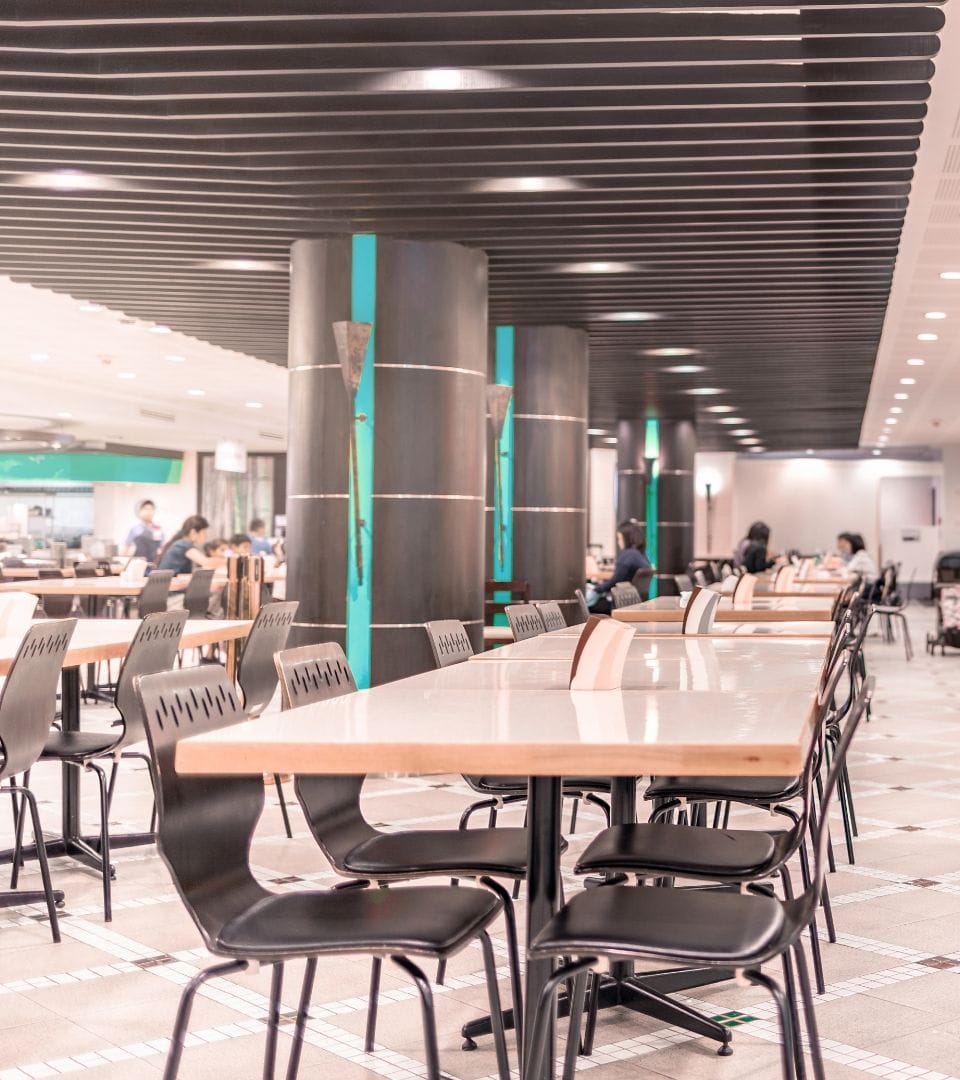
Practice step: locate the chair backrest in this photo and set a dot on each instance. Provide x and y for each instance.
(16, 611)
(86, 570)
(196, 596)
(550, 614)
(525, 621)
(582, 605)
(153, 649)
(449, 641)
(699, 613)
(785, 579)
(155, 592)
(743, 591)
(624, 595)
(641, 581)
(257, 673)
(330, 804)
(729, 583)
(700, 579)
(204, 823)
(47, 573)
(313, 673)
(28, 700)
(684, 582)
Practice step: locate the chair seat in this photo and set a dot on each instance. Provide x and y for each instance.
(722, 788)
(714, 854)
(694, 925)
(517, 785)
(427, 921)
(466, 852)
(78, 744)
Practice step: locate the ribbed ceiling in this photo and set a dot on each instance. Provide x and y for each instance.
(750, 165)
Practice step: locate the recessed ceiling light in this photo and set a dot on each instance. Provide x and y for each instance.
(631, 316)
(730, 419)
(70, 180)
(251, 265)
(599, 268)
(908, 382)
(876, 453)
(895, 409)
(742, 431)
(757, 450)
(750, 442)
(39, 357)
(915, 361)
(175, 358)
(719, 408)
(609, 440)
(197, 393)
(951, 275)
(126, 374)
(254, 404)
(64, 416)
(159, 329)
(705, 391)
(447, 78)
(671, 352)
(87, 306)
(809, 451)
(597, 431)
(901, 397)
(934, 314)
(685, 369)
(890, 420)
(927, 337)
(504, 184)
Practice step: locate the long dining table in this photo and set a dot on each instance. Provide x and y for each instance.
(97, 640)
(513, 716)
(670, 609)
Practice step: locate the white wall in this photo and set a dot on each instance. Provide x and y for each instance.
(114, 505)
(719, 471)
(602, 486)
(951, 498)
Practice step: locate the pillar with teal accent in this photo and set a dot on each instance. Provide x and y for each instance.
(549, 459)
(419, 421)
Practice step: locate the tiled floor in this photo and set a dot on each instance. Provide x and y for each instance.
(103, 1001)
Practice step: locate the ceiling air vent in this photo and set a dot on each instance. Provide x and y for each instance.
(155, 414)
(270, 435)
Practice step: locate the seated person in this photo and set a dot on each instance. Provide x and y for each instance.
(630, 559)
(755, 557)
(216, 549)
(239, 544)
(259, 541)
(184, 552)
(856, 558)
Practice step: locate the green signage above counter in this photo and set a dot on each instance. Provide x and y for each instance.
(90, 468)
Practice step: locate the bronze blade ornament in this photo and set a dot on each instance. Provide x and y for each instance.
(352, 339)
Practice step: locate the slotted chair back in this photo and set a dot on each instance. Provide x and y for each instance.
(257, 673)
(196, 596)
(624, 595)
(155, 593)
(525, 621)
(449, 641)
(153, 649)
(550, 614)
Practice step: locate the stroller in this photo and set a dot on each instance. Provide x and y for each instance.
(947, 589)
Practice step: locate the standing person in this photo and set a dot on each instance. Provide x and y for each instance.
(755, 556)
(259, 541)
(184, 553)
(630, 559)
(145, 537)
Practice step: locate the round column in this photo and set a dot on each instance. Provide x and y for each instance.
(419, 421)
(548, 511)
(678, 447)
(631, 471)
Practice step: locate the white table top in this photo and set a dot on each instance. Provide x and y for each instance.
(671, 609)
(769, 629)
(112, 585)
(108, 639)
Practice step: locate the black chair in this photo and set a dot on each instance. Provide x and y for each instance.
(196, 596)
(624, 595)
(450, 645)
(86, 570)
(155, 593)
(525, 621)
(582, 605)
(257, 673)
(153, 648)
(892, 607)
(641, 581)
(64, 606)
(28, 702)
(550, 615)
(206, 825)
(331, 806)
(695, 927)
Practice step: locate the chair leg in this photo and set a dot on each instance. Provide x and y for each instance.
(796, 1038)
(19, 817)
(29, 799)
(573, 1033)
(593, 1008)
(513, 953)
(813, 930)
(809, 1013)
(283, 806)
(104, 838)
(786, 1026)
(590, 797)
(573, 815)
(545, 1010)
(432, 1050)
(273, 1024)
(112, 784)
(175, 1053)
(373, 1002)
(496, 1014)
(306, 992)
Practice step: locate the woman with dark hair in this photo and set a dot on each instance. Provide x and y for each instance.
(741, 548)
(184, 553)
(755, 559)
(856, 559)
(630, 559)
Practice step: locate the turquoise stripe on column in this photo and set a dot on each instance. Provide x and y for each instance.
(503, 353)
(363, 305)
(651, 451)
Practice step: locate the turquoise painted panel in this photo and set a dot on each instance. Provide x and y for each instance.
(90, 468)
(363, 306)
(503, 358)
